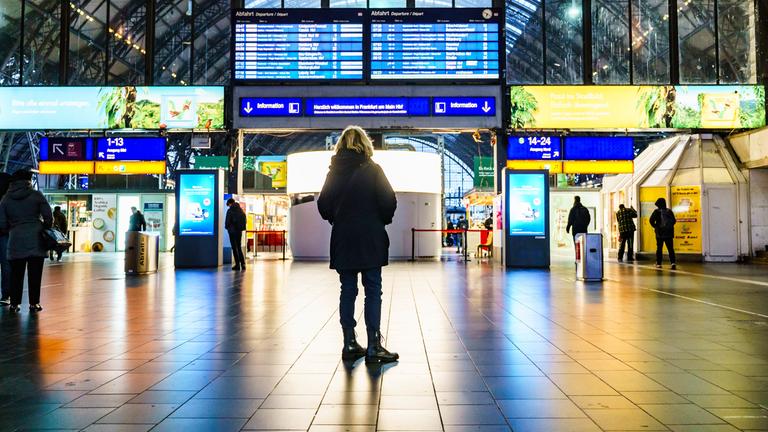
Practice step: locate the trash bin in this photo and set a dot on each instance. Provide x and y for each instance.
(141, 252)
(589, 257)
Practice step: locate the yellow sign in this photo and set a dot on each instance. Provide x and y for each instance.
(598, 167)
(59, 167)
(130, 167)
(553, 167)
(686, 204)
(278, 171)
(648, 197)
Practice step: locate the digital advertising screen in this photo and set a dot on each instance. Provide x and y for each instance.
(527, 212)
(197, 194)
(534, 148)
(599, 148)
(117, 148)
(63, 149)
(434, 44)
(298, 44)
(367, 106)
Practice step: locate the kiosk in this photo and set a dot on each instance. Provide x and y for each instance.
(200, 198)
(526, 218)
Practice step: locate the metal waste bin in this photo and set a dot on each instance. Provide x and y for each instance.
(589, 257)
(141, 252)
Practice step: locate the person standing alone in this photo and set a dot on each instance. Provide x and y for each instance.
(663, 222)
(137, 222)
(5, 265)
(627, 230)
(359, 202)
(60, 223)
(235, 223)
(578, 219)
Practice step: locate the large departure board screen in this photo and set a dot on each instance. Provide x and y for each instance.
(298, 44)
(434, 44)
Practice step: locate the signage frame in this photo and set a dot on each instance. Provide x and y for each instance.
(526, 249)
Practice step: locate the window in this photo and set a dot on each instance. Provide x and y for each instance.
(301, 3)
(650, 41)
(349, 3)
(737, 41)
(382, 4)
(270, 4)
(434, 3)
(173, 33)
(87, 43)
(525, 50)
(473, 3)
(610, 42)
(42, 32)
(10, 33)
(212, 43)
(696, 37)
(127, 53)
(564, 63)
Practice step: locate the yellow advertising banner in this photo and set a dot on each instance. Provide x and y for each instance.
(554, 167)
(277, 170)
(598, 167)
(65, 167)
(686, 204)
(648, 197)
(117, 167)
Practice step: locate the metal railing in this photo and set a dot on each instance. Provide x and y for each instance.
(257, 233)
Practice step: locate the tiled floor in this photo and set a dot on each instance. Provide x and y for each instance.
(482, 350)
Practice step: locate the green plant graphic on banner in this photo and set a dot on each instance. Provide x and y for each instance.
(523, 106)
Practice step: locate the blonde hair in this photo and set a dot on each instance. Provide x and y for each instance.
(355, 139)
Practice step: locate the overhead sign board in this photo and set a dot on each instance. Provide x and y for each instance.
(368, 106)
(66, 149)
(599, 148)
(637, 107)
(125, 107)
(464, 106)
(534, 148)
(270, 107)
(65, 168)
(116, 148)
(124, 168)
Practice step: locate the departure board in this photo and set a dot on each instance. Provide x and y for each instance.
(298, 44)
(434, 44)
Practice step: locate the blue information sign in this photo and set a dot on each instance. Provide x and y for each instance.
(368, 106)
(534, 148)
(66, 149)
(599, 148)
(197, 193)
(270, 107)
(115, 148)
(464, 106)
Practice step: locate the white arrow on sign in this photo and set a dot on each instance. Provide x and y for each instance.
(101, 155)
(248, 108)
(57, 149)
(486, 107)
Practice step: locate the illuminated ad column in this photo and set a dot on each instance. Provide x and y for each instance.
(526, 218)
(200, 198)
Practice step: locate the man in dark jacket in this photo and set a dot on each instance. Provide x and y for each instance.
(626, 231)
(235, 223)
(60, 223)
(578, 219)
(663, 222)
(137, 222)
(5, 265)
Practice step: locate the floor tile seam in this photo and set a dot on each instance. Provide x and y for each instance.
(689, 273)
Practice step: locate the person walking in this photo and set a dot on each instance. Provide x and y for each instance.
(578, 219)
(663, 222)
(462, 225)
(137, 222)
(60, 223)
(235, 223)
(24, 214)
(359, 202)
(627, 230)
(5, 265)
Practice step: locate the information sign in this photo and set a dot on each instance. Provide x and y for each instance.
(298, 44)
(270, 107)
(64, 149)
(197, 193)
(368, 106)
(443, 44)
(534, 148)
(131, 149)
(464, 106)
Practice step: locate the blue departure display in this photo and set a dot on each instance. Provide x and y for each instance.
(442, 44)
(270, 107)
(368, 106)
(298, 44)
(117, 148)
(534, 148)
(599, 148)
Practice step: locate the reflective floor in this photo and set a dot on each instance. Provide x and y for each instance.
(481, 349)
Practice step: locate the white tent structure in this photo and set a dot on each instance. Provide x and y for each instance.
(701, 180)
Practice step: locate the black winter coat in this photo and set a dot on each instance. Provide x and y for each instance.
(359, 202)
(235, 220)
(578, 219)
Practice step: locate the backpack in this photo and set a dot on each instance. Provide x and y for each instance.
(666, 219)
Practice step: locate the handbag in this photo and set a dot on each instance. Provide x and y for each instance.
(55, 240)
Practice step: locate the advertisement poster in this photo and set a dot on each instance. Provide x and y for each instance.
(196, 204)
(153, 214)
(527, 204)
(638, 107)
(686, 203)
(104, 222)
(128, 107)
(484, 172)
(648, 197)
(276, 168)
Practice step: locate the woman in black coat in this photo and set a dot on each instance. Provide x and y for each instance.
(359, 202)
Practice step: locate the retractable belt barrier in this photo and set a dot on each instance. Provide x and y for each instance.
(268, 239)
(444, 231)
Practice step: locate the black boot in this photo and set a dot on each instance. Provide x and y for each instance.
(376, 353)
(352, 350)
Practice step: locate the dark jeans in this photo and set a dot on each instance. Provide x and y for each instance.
(628, 240)
(33, 266)
(660, 243)
(235, 239)
(372, 284)
(5, 268)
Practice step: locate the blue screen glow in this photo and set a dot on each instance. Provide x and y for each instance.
(368, 106)
(599, 148)
(534, 148)
(131, 149)
(196, 204)
(464, 106)
(526, 204)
